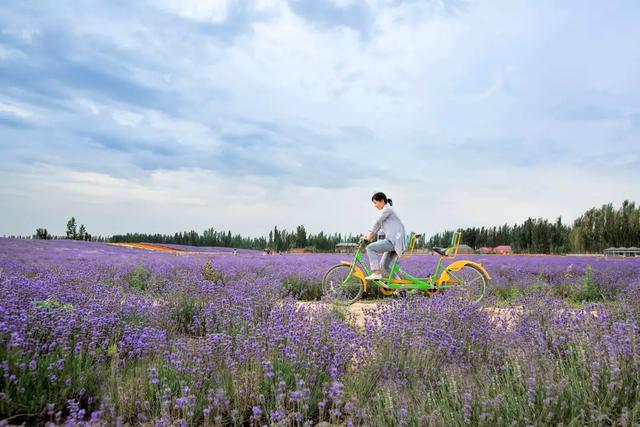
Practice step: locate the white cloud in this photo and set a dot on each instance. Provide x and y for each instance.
(167, 201)
(199, 10)
(487, 91)
(10, 54)
(343, 3)
(15, 110)
(127, 118)
(90, 105)
(149, 123)
(25, 31)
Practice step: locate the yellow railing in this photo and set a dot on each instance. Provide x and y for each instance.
(411, 247)
(456, 245)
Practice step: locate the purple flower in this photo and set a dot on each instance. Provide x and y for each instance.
(257, 412)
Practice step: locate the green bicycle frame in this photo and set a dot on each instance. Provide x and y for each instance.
(409, 281)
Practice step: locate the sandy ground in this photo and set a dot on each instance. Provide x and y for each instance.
(505, 316)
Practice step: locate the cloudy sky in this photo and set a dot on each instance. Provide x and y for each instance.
(171, 115)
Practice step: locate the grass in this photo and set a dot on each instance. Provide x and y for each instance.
(426, 391)
(52, 379)
(301, 289)
(212, 274)
(187, 315)
(138, 279)
(583, 290)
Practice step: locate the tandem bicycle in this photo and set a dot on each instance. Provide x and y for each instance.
(345, 282)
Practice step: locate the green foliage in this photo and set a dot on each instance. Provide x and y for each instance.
(138, 279)
(43, 234)
(533, 236)
(72, 231)
(301, 289)
(585, 289)
(82, 233)
(594, 231)
(54, 379)
(301, 237)
(600, 228)
(209, 237)
(517, 392)
(129, 385)
(278, 240)
(51, 303)
(212, 274)
(563, 290)
(505, 293)
(282, 240)
(282, 375)
(588, 290)
(187, 315)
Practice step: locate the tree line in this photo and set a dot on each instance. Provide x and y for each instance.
(592, 232)
(72, 232)
(209, 237)
(598, 229)
(279, 240)
(283, 240)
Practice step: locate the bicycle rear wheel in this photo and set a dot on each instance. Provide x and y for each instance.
(471, 281)
(341, 287)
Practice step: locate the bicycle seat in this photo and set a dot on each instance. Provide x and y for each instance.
(441, 251)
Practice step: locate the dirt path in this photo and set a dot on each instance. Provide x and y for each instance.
(505, 316)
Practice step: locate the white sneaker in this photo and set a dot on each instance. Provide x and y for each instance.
(374, 276)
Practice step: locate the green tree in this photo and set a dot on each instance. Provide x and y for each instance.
(72, 232)
(82, 233)
(42, 233)
(301, 237)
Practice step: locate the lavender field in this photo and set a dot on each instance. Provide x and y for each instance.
(93, 334)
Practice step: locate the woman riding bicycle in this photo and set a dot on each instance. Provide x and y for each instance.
(395, 239)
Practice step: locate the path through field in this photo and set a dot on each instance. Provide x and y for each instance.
(362, 310)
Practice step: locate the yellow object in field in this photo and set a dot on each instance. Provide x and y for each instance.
(457, 266)
(356, 272)
(411, 247)
(456, 244)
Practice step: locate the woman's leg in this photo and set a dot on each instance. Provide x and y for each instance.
(387, 260)
(373, 249)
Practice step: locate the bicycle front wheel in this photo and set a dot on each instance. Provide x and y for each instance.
(471, 281)
(341, 286)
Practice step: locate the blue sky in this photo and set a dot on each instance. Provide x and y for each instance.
(167, 115)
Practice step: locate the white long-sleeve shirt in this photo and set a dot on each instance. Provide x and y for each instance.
(393, 228)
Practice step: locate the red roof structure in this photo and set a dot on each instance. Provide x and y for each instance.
(503, 250)
(485, 250)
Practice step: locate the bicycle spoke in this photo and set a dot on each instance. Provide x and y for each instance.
(471, 281)
(340, 285)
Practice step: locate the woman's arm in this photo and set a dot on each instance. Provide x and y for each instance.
(386, 212)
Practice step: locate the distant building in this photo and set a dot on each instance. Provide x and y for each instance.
(465, 250)
(503, 250)
(346, 247)
(484, 250)
(625, 252)
(307, 250)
